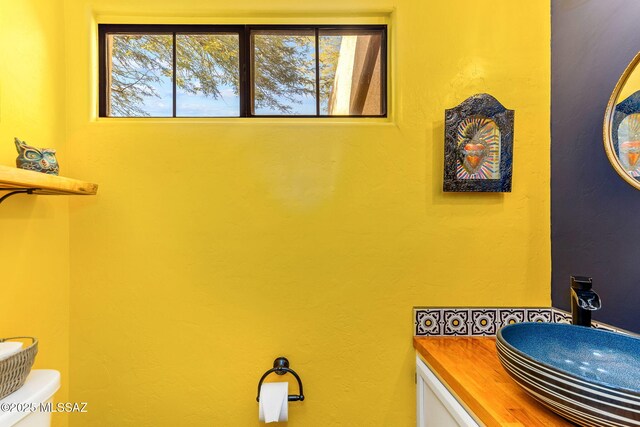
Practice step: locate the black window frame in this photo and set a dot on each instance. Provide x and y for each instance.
(244, 39)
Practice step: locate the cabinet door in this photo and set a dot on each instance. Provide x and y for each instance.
(436, 406)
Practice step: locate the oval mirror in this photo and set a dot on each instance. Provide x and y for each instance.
(621, 130)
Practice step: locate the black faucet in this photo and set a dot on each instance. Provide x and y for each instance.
(583, 300)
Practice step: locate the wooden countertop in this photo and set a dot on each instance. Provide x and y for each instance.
(469, 367)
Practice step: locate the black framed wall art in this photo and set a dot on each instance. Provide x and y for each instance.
(478, 152)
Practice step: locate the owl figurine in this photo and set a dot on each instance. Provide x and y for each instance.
(36, 159)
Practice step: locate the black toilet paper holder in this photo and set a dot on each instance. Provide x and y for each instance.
(281, 367)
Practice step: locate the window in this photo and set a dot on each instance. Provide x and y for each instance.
(242, 71)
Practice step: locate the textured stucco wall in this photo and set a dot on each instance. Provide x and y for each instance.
(34, 230)
(216, 245)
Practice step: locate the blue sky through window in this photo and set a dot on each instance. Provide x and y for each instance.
(190, 105)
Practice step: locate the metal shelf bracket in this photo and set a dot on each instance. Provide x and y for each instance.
(25, 191)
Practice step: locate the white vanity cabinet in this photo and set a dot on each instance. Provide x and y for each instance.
(436, 406)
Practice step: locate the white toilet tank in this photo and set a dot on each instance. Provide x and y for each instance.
(39, 388)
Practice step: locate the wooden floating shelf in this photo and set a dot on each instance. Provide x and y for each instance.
(14, 179)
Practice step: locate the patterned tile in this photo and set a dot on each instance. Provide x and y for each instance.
(476, 321)
(428, 322)
(603, 326)
(511, 315)
(483, 321)
(561, 316)
(539, 315)
(456, 321)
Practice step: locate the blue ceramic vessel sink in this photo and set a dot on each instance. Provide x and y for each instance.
(589, 376)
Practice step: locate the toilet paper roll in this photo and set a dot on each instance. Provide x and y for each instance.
(274, 403)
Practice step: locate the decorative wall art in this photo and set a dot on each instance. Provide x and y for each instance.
(478, 151)
(626, 134)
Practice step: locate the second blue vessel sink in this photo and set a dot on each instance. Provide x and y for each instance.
(589, 376)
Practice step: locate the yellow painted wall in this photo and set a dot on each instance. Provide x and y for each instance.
(34, 230)
(216, 245)
(631, 85)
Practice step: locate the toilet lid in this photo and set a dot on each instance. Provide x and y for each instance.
(40, 385)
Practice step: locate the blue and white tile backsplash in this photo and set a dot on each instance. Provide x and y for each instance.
(484, 321)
